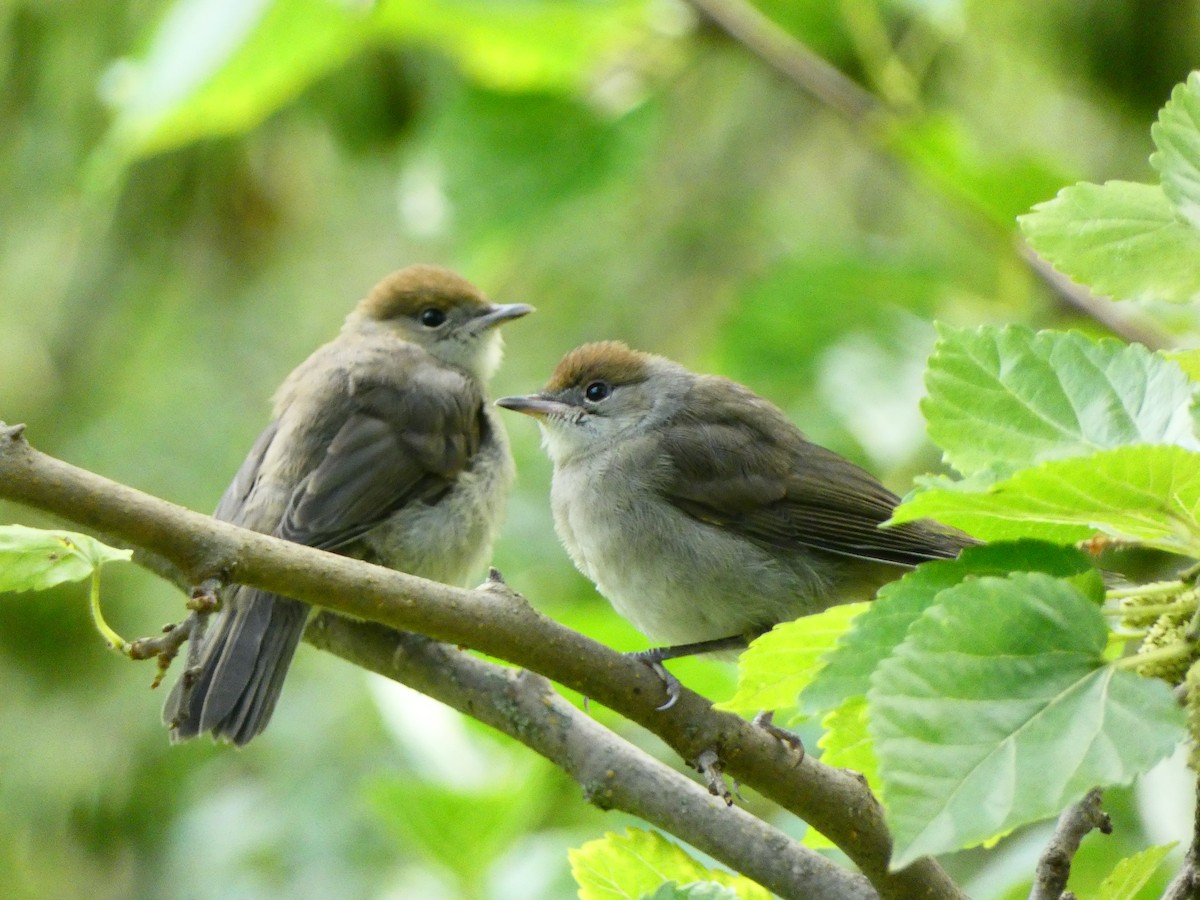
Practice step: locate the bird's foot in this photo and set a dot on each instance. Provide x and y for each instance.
(708, 764)
(789, 738)
(654, 659)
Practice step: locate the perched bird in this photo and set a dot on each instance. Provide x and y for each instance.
(700, 511)
(382, 447)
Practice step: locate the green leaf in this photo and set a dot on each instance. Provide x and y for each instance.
(32, 559)
(1131, 874)
(440, 820)
(216, 67)
(778, 664)
(847, 745)
(1146, 495)
(1176, 134)
(847, 742)
(699, 890)
(1009, 397)
(875, 634)
(518, 45)
(944, 149)
(1121, 239)
(1188, 360)
(637, 864)
(998, 710)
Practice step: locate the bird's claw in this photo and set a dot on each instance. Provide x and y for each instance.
(670, 683)
(708, 764)
(790, 738)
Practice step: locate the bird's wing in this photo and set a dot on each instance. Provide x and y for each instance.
(397, 444)
(745, 468)
(233, 506)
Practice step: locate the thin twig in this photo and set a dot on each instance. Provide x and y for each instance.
(1054, 867)
(1186, 883)
(809, 72)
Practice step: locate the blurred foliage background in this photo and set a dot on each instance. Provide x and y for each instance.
(194, 193)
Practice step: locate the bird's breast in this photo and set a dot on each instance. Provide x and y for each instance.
(676, 579)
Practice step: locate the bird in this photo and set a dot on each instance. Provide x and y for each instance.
(701, 512)
(382, 446)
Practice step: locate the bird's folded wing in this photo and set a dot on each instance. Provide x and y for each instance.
(397, 445)
(745, 468)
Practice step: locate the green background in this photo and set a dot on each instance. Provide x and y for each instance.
(193, 195)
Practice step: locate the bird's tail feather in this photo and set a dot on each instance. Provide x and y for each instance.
(246, 655)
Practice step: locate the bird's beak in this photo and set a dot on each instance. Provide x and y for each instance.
(538, 406)
(502, 312)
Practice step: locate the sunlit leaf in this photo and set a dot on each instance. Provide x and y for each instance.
(638, 863)
(33, 559)
(777, 665)
(1132, 874)
(1011, 397)
(218, 67)
(1121, 239)
(1146, 495)
(1177, 136)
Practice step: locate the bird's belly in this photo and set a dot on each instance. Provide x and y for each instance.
(450, 540)
(679, 580)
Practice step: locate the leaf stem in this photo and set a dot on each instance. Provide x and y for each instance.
(115, 641)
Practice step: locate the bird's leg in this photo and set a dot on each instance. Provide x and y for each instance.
(790, 738)
(164, 647)
(708, 764)
(656, 656)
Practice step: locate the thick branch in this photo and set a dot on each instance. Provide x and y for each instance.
(1054, 867)
(612, 772)
(836, 802)
(810, 73)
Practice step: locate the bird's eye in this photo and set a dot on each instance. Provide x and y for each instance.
(597, 391)
(433, 317)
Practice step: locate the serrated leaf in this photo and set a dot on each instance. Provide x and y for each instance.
(638, 863)
(33, 559)
(1187, 360)
(777, 665)
(1121, 239)
(1176, 134)
(998, 709)
(1131, 874)
(847, 743)
(877, 632)
(1006, 398)
(1146, 495)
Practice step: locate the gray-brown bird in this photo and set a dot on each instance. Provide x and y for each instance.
(700, 511)
(383, 447)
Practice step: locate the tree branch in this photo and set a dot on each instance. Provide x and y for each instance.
(810, 73)
(1186, 883)
(1054, 867)
(499, 623)
(612, 772)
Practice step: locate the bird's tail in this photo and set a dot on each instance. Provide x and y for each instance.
(246, 655)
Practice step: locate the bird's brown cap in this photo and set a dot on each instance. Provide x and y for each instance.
(419, 287)
(610, 361)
